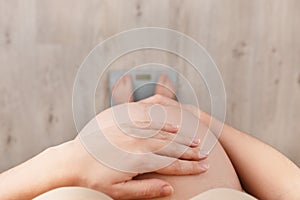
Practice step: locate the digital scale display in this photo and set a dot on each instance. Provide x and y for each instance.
(143, 77)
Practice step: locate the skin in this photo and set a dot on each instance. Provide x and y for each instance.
(263, 171)
(165, 87)
(55, 167)
(242, 150)
(70, 164)
(122, 90)
(221, 172)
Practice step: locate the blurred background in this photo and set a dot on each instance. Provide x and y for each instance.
(255, 44)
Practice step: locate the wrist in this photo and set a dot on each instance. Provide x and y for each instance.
(46, 171)
(74, 165)
(63, 164)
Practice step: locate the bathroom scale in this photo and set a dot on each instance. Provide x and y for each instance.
(143, 80)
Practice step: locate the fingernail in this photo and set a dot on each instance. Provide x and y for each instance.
(202, 155)
(196, 141)
(175, 127)
(204, 166)
(166, 190)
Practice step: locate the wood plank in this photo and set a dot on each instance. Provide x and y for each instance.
(255, 43)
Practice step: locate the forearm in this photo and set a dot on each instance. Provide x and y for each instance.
(263, 171)
(38, 175)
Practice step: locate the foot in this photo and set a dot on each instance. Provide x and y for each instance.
(165, 87)
(122, 90)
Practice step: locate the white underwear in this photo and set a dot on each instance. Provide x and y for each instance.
(79, 193)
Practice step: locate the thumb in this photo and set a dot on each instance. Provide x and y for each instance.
(142, 189)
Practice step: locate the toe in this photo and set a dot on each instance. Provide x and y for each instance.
(165, 86)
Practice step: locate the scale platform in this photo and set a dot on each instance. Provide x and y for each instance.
(143, 80)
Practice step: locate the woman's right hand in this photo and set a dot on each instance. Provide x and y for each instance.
(161, 150)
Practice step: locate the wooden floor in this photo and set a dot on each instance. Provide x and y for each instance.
(255, 44)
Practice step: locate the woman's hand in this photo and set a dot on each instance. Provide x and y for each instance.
(159, 99)
(115, 178)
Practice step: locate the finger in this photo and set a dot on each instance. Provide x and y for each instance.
(179, 138)
(142, 189)
(173, 149)
(171, 128)
(148, 124)
(159, 99)
(183, 167)
(176, 150)
(149, 132)
(156, 135)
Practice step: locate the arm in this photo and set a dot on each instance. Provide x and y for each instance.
(263, 171)
(70, 164)
(39, 174)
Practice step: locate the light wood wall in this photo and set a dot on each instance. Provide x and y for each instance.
(255, 43)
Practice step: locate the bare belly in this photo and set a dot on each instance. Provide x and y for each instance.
(220, 174)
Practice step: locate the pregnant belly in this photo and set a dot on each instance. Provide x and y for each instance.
(220, 174)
